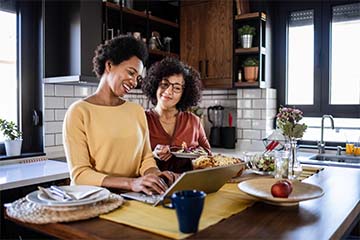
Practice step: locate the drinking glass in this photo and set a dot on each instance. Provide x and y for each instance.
(282, 164)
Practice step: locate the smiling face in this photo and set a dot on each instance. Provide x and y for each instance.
(170, 91)
(123, 77)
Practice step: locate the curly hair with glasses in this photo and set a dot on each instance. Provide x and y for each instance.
(166, 68)
(117, 50)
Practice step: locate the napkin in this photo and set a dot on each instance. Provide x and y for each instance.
(75, 195)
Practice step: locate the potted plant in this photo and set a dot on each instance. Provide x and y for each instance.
(251, 69)
(245, 35)
(13, 140)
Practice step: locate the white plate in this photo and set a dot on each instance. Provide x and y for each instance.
(40, 198)
(187, 155)
(261, 188)
(263, 173)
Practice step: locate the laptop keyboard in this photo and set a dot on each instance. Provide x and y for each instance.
(143, 197)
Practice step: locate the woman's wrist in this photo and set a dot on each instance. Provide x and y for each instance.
(152, 170)
(118, 182)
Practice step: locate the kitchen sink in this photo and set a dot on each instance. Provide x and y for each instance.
(332, 160)
(336, 158)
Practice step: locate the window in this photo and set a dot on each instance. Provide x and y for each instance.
(345, 50)
(8, 68)
(300, 84)
(21, 71)
(316, 64)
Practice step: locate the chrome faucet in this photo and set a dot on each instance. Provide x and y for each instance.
(321, 144)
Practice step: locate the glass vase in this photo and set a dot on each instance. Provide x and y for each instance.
(295, 168)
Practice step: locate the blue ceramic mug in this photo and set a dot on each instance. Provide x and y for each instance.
(188, 205)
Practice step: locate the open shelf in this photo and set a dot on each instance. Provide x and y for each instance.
(141, 14)
(250, 50)
(247, 16)
(246, 84)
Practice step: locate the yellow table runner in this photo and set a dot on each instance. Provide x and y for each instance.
(220, 205)
(227, 201)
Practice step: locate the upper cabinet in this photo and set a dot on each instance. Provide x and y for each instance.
(206, 40)
(154, 22)
(72, 30)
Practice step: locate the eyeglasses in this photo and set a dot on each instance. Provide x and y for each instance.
(177, 87)
(139, 79)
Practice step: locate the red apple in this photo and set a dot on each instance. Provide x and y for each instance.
(289, 183)
(281, 189)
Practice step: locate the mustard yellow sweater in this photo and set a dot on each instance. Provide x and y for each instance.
(102, 141)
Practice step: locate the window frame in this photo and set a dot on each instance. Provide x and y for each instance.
(29, 75)
(322, 51)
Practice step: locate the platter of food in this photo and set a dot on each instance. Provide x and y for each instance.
(188, 152)
(217, 161)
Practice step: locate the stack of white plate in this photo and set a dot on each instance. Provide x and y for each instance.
(99, 194)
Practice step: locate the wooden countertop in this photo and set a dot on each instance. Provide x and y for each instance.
(327, 217)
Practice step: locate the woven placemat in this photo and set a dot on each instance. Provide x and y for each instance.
(26, 211)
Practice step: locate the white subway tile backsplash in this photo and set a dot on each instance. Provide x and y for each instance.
(239, 93)
(82, 91)
(60, 114)
(257, 145)
(259, 103)
(268, 114)
(49, 140)
(219, 97)
(244, 103)
(229, 103)
(206, 97)
(220, 92)
(269, 93)
(239, 133)
(251, 113)
(49, 89)
(64, 90)
(207, 92)
(233, 96)
(58, 139)
(54, 102)
(244, 124)
(69, 101)
(239, 113)
(259, 124)
(49, 115)
(270, 103)
(251, 134)
(53, 127)
(252, 93)
(243, 144)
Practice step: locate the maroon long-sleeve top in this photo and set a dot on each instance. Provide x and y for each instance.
(188, 129)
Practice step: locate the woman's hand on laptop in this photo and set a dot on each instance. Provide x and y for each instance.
(168, 176)
(149, 184)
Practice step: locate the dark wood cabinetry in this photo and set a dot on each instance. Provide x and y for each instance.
(257, 51)
(72, 30)
(145, 17)
(206, 40)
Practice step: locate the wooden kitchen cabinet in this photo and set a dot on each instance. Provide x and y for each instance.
(206, 41)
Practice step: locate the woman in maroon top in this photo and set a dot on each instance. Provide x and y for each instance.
(173, 87)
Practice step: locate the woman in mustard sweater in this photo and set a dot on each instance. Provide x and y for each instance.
(173, 87)
(106, 138)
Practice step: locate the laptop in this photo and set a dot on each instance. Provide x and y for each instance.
(208, 180)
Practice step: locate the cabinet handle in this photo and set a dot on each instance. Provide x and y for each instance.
(206, 68)
(200, 68)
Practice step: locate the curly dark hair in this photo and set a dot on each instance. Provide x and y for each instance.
(168, 67)
(117, 50)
